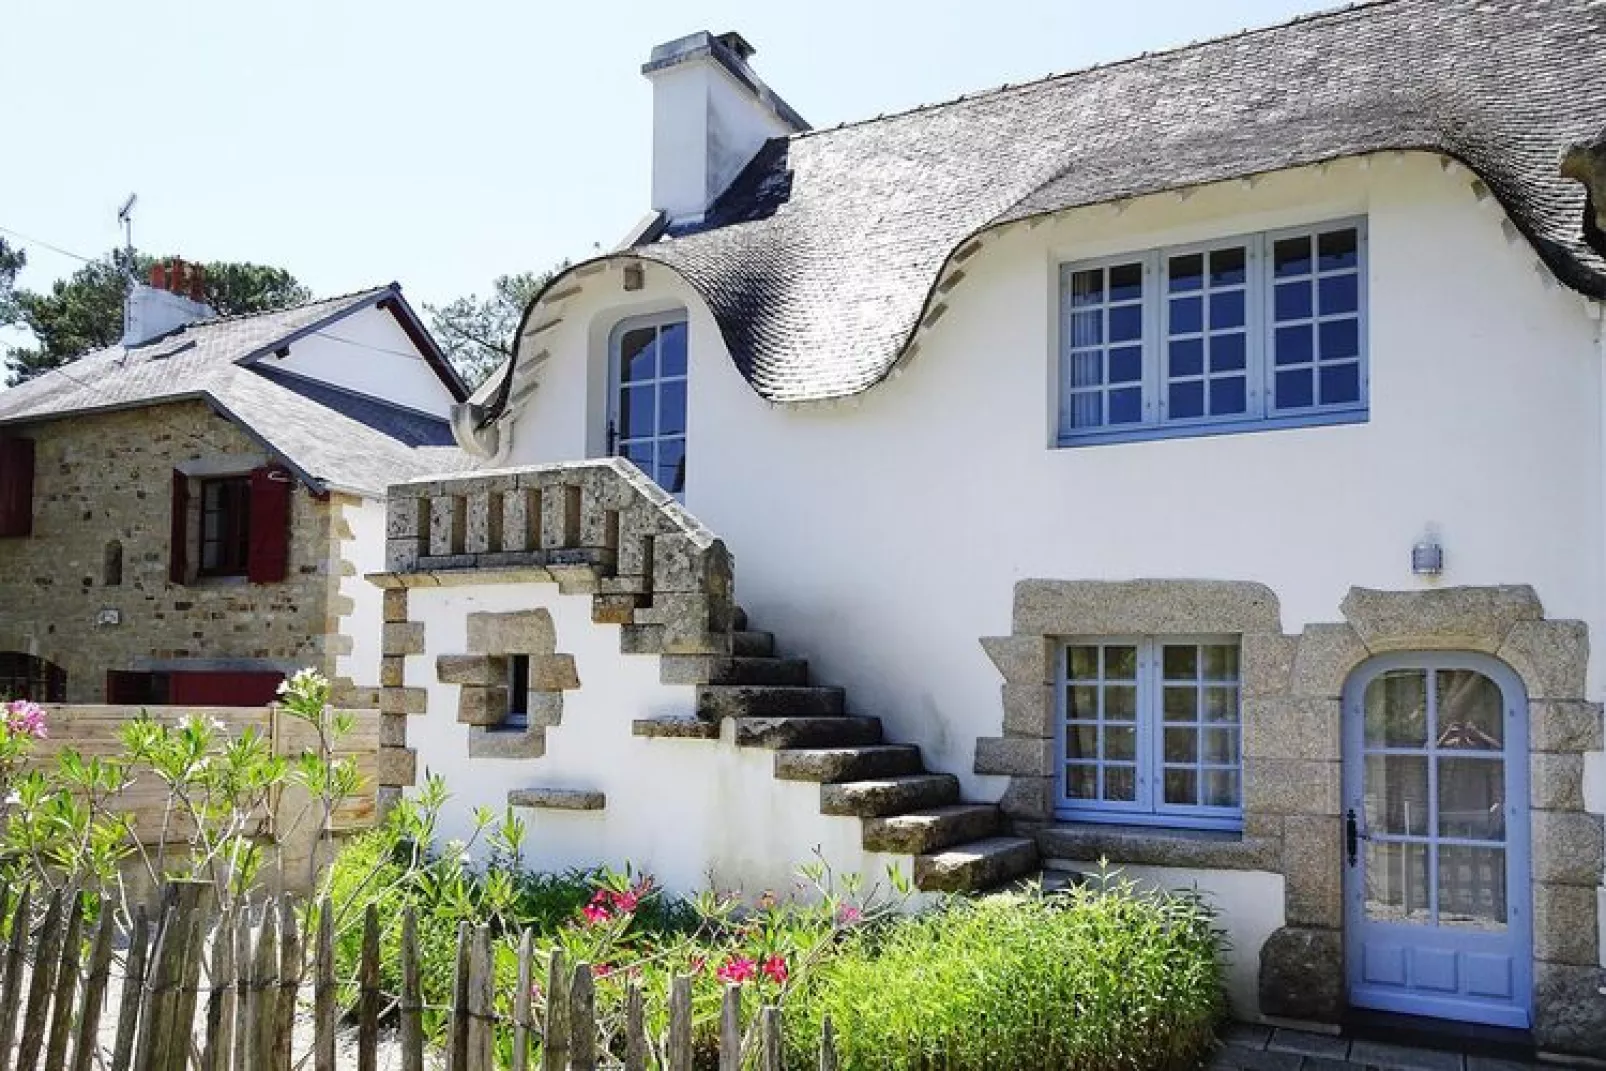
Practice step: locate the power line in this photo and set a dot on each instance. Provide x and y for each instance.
(47, 245)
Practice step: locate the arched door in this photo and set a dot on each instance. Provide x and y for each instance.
(1436, 838)
(23, 676)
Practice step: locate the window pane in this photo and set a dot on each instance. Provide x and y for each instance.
(1120, 744)
(1182, 745)
(672, 350)
(1082, 741)
(1472, 798)
(635, 412)
(1087, 287)
(1292, 301)
(1187, 315)
(1182, 786)
(671, 474)
(1085, 369)
(1397, 795)
(1126, 406)
(672, 408)
(1084, 409)
(1472, 888)
(1187, 273)
(1227, 396)
(1082, 702)
(1227, 352)
(637, 354)
(1126, 365)
(1294, 389)
(1121, 663)
(1220, 662)
(1340, 339)
(1291, 256)
(1181, 704)
(1219, 788)
(1120, 702)
(1126, 282)
(1126, 323)
(1341, 383)
(1396, 709)
(1187, 357)
(1397, 882)
(1471, 711)
(641, 453)
(1186, 400)
(1181, 662)
(1227, 310)
(1221, 704)
(1339, 249)
(1087, 329)
(1227, 266)
(1295, 345)
(1120, 784)
(1220, 747)
(1082, 663)
(1082, 782)
(1339, 294)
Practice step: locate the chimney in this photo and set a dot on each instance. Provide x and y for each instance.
(710, 115)
(173, 299)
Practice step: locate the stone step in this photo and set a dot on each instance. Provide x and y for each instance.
(842, 731)
(757, 670)
(749, 644)
(889, 795)
(715, 701)
(932, 829)
(977, 865)
(847, 763)
(557, 799)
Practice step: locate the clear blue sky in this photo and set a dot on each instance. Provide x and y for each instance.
(442, 143)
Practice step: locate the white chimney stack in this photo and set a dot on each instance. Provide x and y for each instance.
(172, 300)
(710, 116)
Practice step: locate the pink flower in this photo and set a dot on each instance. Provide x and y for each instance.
(595, 914)
(600, 970)
(26, 718)
(625, 902)
(536, 992)
(698, 963)
(737, 970)
(775, 970)
(848, 915)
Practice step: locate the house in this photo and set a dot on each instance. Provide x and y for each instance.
(1193, 461)
(185, 517)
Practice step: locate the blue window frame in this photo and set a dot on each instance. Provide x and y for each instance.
(1241, 334)
(647, 416)
(1150, 731)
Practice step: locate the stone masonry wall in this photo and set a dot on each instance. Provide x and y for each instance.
(108, 477)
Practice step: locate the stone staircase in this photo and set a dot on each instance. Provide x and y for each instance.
(904, 809)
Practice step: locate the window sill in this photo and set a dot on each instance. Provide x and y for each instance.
(1158, 846)
(1332, 417)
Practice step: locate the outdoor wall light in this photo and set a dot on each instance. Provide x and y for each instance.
(1427, 558)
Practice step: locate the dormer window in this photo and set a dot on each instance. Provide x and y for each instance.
(647, 419)
(1262, 331)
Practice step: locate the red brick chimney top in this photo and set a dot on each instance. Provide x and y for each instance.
(179, 277)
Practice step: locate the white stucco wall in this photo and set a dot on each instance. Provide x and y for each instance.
(682, 810)
(369, 353)
(366, 552)
(881, 537)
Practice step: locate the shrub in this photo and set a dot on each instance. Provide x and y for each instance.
(1100, 977)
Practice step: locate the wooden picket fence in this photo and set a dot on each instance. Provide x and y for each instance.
(243, 1016)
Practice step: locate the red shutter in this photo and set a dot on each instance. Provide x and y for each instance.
(179, 537)
(269, 558)
(16, 487)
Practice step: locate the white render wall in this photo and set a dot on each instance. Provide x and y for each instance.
(368, 353)
(682, 810)
(365, 551)
(883, 536)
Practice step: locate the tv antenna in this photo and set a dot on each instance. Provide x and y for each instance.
(125, 216)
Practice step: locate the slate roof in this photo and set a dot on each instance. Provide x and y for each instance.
(819, 260)
(333, 438)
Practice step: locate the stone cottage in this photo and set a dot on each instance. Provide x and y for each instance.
(185, 517)
(1194, 461)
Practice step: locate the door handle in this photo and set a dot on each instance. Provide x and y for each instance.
(1352, 836)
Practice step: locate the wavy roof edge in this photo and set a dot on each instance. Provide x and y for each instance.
(735, 261)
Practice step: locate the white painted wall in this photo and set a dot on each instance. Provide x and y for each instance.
(881, 538)
(366, 551)
(369, 353)
(680, 809)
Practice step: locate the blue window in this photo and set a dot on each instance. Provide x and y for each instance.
(647, 422)
(1267, 330)
(1150, 731)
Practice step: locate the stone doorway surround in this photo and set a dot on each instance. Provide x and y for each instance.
(1292, 688)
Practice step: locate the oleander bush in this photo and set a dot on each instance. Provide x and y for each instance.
(1103, 976)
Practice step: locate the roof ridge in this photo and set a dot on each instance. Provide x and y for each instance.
(1075, 72)
(235, 317)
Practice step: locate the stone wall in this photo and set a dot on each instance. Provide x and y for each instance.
(1292, 717)
(105, 477)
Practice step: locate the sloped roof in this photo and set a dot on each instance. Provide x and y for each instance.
(331, 437)
(819, 260)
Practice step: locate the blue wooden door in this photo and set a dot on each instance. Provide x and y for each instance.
(1436, 839)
